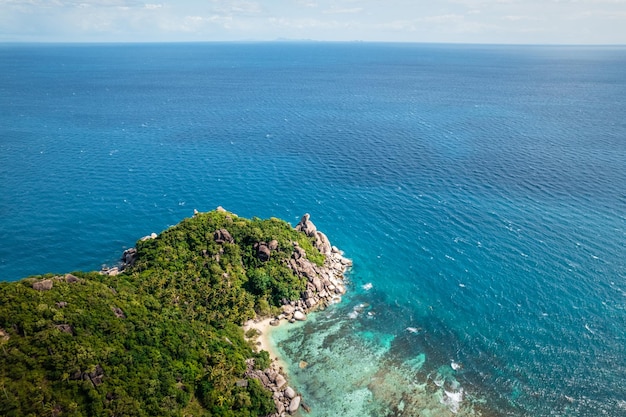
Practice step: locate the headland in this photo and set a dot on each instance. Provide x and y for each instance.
(162, 333)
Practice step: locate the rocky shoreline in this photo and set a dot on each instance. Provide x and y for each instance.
(325, 285)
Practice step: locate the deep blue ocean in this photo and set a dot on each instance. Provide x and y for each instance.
(479, 190)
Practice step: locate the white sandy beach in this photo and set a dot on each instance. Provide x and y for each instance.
(263, 341)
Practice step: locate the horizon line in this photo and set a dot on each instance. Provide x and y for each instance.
(295, 41)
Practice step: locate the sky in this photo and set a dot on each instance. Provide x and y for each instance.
(445, 21)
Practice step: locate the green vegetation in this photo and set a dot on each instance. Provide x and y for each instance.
(163, 338)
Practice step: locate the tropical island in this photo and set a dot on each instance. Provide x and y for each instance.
(162, 333)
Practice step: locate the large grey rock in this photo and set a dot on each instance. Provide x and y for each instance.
(280, 381)
(271, 375)
(305, 268)
(264, 379)
(306, 226)
(298, 252)
(317, 283)
(71, 279)
(322, 243)
(43, 285)
(150, 236)
(294, 405)
(290, 393)
(111, 271)
(263, 252)
(299, 315)
(223, 236)
(129, 257)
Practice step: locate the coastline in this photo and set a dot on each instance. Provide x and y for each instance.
(325, 286)
(263, 340)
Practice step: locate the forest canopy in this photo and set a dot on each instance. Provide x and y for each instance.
(163, 337)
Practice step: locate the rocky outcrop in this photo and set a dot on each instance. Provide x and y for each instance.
(223, 236)
(299, 315)
(95, 376)
(263, 251)
(128, 258)
(118, 312)
(273, 378)
(65, 328)
(110, 271)
(324, 283)
(71, 279)
(43, 285)
(306, 226)
(321, 240)
(150, 236)
(47, 284)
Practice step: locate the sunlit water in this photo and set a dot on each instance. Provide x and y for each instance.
(480, 191)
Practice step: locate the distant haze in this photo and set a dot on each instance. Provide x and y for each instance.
(457, 21)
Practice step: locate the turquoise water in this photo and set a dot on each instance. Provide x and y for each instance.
(480, 190)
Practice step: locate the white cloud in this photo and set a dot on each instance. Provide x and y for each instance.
(443, 19)
(238, 7)
(518, 18)
(307, 23)
(201, 23)
(335, 10)
(511, 21)
(306, 3)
